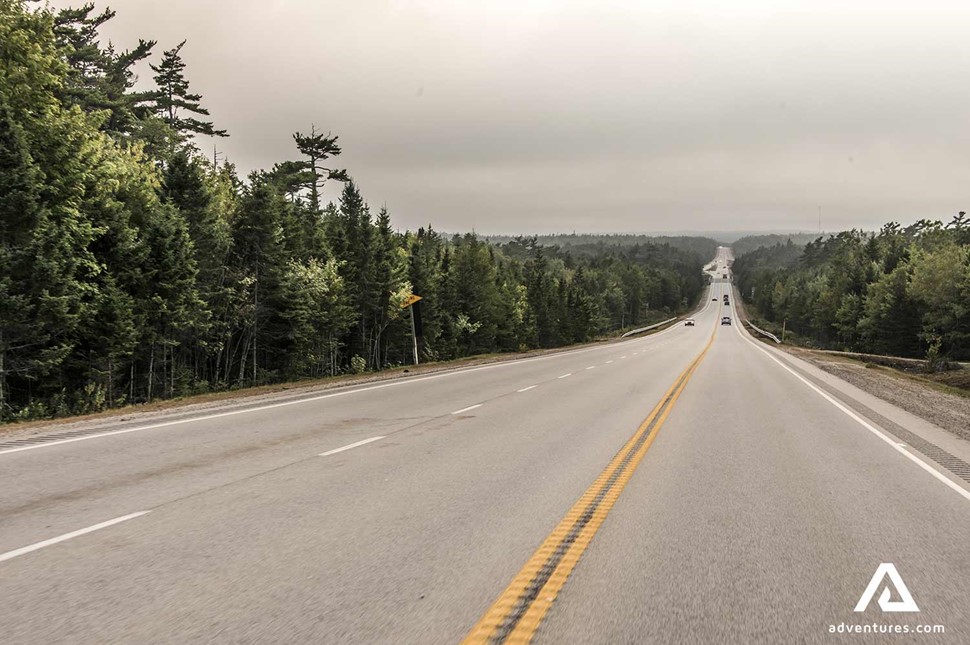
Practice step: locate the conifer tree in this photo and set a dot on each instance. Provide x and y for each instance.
(173, 98)
(317, 148)
(100, 80)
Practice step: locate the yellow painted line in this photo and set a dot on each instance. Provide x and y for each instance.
(489, 628)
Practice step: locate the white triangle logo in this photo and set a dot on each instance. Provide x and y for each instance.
(905, 603)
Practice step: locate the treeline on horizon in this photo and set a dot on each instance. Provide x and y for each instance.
(903, 291)
(132, 268)
(750, 243)
(595, 243)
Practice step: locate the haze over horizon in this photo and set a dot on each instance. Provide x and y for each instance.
(529, 117)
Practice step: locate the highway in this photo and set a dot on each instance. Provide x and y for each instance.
(693, 486)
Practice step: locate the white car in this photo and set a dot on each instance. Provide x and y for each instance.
(689, 322)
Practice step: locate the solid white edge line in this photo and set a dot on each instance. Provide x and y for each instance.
(394, 383)
(9, 555)
(470, 407)
(526, 389)
(350, 446)
(865, 424)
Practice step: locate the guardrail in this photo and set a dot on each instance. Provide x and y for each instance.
(764, 333)
(634, 332)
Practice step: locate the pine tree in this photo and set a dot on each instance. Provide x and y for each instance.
(19, 214)
(317, 148)
(259, 255)
(100, 80)
(173, 97)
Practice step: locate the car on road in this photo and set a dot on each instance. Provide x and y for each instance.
(714, 299)
(726, 320)
(689, 322)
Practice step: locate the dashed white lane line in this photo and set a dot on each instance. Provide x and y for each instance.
(565, 375)
(591, 367)
(9, 555)
(526, 389)
(311, 399)
(608, 362)
(350, 446)
(622, 357)
(470, 407)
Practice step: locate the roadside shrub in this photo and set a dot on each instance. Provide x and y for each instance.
(357, 364)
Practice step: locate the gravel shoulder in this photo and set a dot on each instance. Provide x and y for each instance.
(948, 411)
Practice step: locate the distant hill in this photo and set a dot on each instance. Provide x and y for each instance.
(752, 242)
(727, 237)
(723, 237)
(579, 243)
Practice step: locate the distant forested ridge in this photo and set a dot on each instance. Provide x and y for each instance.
(133, 268)
(901, 291)
(594, 243)
(750, 243)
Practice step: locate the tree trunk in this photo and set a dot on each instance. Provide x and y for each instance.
(242, 362)
(151, 372)
(255, 322)
(3, 379)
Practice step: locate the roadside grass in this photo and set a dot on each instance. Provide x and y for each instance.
(956, 381)
(240, 393)
(307, 385)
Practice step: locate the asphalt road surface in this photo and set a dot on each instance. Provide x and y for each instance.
(692, 486)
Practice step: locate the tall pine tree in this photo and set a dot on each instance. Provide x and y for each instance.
(172, 99)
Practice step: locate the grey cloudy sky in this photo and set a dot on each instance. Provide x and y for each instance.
(532, 116)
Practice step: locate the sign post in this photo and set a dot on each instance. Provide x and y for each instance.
(409, 304)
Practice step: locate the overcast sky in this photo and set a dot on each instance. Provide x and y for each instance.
(535, 116)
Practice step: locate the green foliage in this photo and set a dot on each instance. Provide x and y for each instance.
(750, 243)
(99, 80)
(901, 291)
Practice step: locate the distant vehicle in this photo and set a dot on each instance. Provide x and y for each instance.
(689, 322)
(714, 299)
(726, 320)
(724, 275)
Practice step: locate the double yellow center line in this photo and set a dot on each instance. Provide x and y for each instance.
(515, 616)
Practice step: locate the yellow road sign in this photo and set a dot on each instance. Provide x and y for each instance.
(410, 301)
